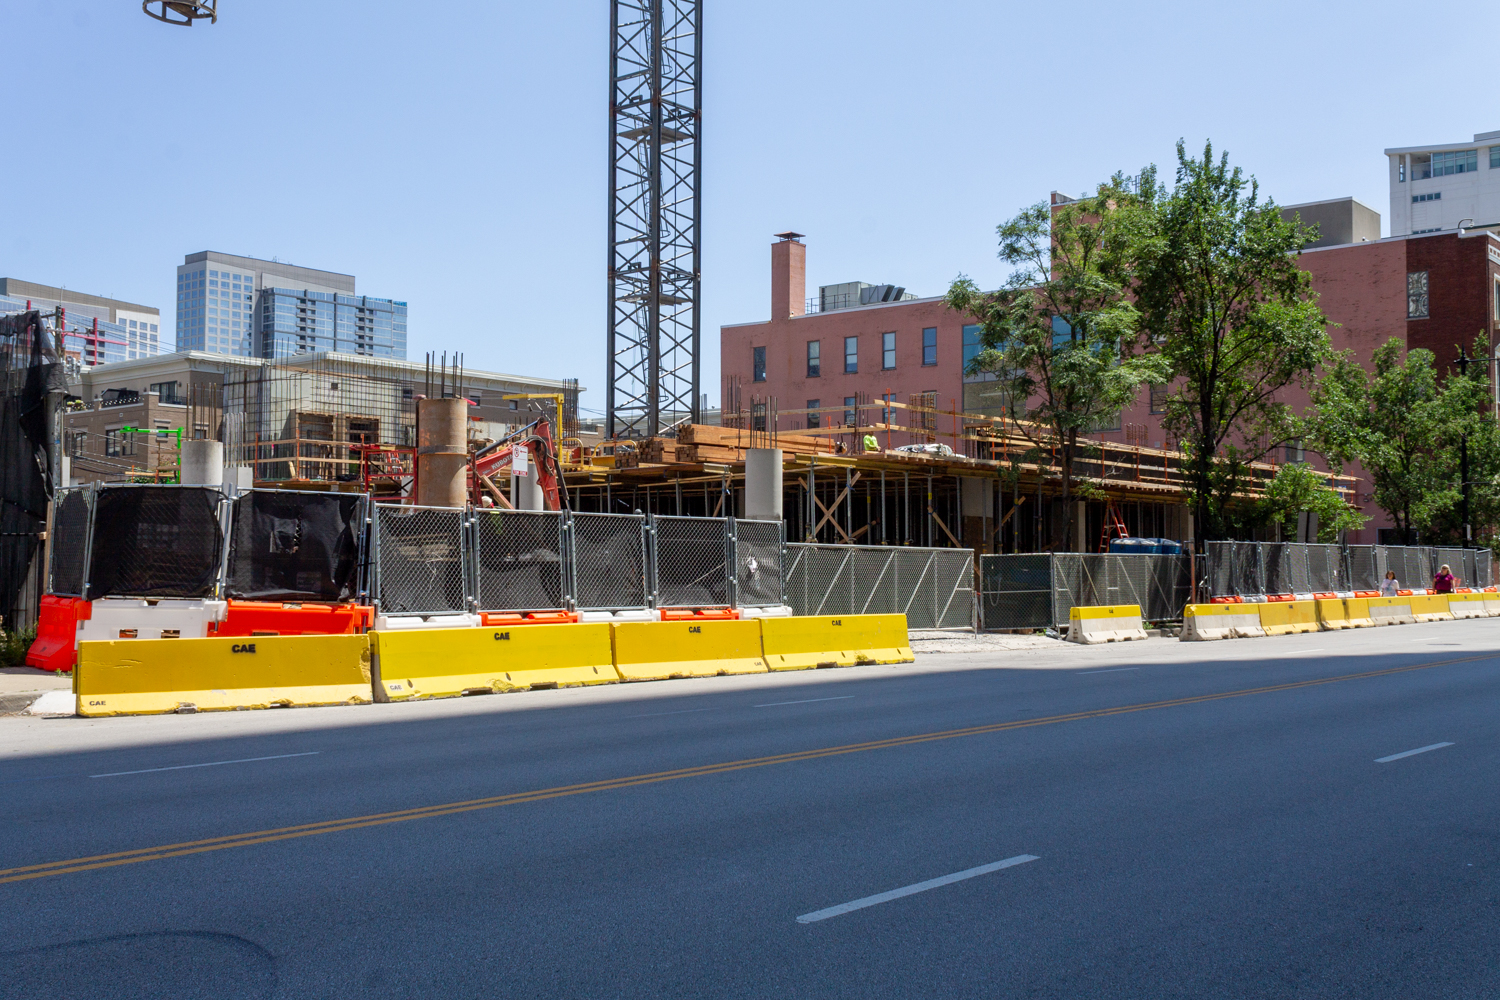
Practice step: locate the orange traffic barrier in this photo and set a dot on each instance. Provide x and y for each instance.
(699, 615)
(56, 645)
(268, 618)
(489, 618)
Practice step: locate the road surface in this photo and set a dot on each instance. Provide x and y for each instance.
(1158, 819)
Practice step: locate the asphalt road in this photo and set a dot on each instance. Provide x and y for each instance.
(1168, 834)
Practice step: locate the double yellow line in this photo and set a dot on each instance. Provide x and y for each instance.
(75, 865)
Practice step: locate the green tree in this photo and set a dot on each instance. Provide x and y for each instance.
(1060, 336)
(1218, 287)
(1298, 488)
(1394, 421)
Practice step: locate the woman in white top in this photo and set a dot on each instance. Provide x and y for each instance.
(1389, 586)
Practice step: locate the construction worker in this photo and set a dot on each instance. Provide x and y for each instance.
(871, 444)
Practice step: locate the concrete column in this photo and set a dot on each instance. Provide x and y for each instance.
(442, 452)
(202, 463)
(763, 484)
(1080, 527)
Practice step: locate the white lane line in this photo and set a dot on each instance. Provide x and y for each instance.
(805, 701)
(653, 715)
(932, 883)
(213, 763)
(1315, 649)
(1408, 753)
(1111, 670)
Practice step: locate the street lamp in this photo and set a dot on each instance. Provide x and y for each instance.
(183, 12)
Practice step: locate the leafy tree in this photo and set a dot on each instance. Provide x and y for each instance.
(1299, 488)
(1060, 335)
(1394, 422)
(1217, 285)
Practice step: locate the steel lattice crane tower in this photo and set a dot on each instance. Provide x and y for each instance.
(655, 170)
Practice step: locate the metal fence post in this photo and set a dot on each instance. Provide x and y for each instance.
(731, 562)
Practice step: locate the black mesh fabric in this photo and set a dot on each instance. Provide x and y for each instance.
(68, 541)
(29, 367)
(155, 541)
(295, 546)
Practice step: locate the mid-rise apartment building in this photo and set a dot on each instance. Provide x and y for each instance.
(245, 307)
(96, 329)
(1445, 186)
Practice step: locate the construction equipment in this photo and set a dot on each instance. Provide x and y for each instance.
(491, 460)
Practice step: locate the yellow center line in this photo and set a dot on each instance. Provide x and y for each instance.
(249, 839)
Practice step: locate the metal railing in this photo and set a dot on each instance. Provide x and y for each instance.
(933, 587)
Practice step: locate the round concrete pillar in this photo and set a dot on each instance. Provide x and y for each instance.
(442, 452)
(202, 463)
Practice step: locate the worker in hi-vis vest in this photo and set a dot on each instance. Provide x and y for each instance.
(871, 444)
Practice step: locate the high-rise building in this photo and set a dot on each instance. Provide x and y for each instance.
(96, 329)
(266, 309)
(1445, 186)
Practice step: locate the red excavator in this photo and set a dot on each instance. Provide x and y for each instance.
(496, 459)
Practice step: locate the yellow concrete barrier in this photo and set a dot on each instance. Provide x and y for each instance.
(1221, 621)
(801, 643)
(444, 663)
(1288, 617)
(1390, 610)
(1430, 608)
(657, 650)
(146, 676)
(1467, 606)
(1344, 612)
(1492, 603)
(1106, 623)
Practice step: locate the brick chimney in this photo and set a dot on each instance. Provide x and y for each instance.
(788, 276)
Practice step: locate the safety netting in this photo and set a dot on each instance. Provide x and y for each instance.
(155, 541)
(295, 546)
(29, 367)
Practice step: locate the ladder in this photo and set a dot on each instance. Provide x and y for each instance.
(1113, 525)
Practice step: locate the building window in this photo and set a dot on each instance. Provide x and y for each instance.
(814, 366)
(1158, 399)
(1416, 295)
(926, 406)
(851, 410)
(971, 344)
(1432, 196)
(851, 355)
(1462, 161)
(1495, 157)
(814, 419)
(1295, 452)
(1497, 301)
(887, 351)
(118, 444)
(758, 416)
(885, 411)
(1401, 171)
(760, 364)
(929, 345)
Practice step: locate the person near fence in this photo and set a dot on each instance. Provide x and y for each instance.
(1444, 581)
(1390, 585)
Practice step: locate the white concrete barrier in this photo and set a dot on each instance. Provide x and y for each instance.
(1106, 623)
(1221, 621)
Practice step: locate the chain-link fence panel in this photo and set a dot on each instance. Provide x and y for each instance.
(1486, 567)
(1459, 561)
(1412, 564)
(518, 560)
(953, 595)
(916, 586)
(67, 545)
(420, 565)
(609, 561)
(1015, 591)
(820, 578)
(292, 545)
(757, 556)
(872, 579)
(155, 541)
(1364, 573)
(1325, 568)
(689, 561)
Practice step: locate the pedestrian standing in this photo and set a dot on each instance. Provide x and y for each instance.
(1390, 584)
(1443, 582)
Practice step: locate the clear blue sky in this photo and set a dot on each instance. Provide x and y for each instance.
(457, 160)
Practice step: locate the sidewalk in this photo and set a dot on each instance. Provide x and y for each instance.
(20, 686)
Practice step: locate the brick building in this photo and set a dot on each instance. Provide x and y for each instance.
(1432, 290)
